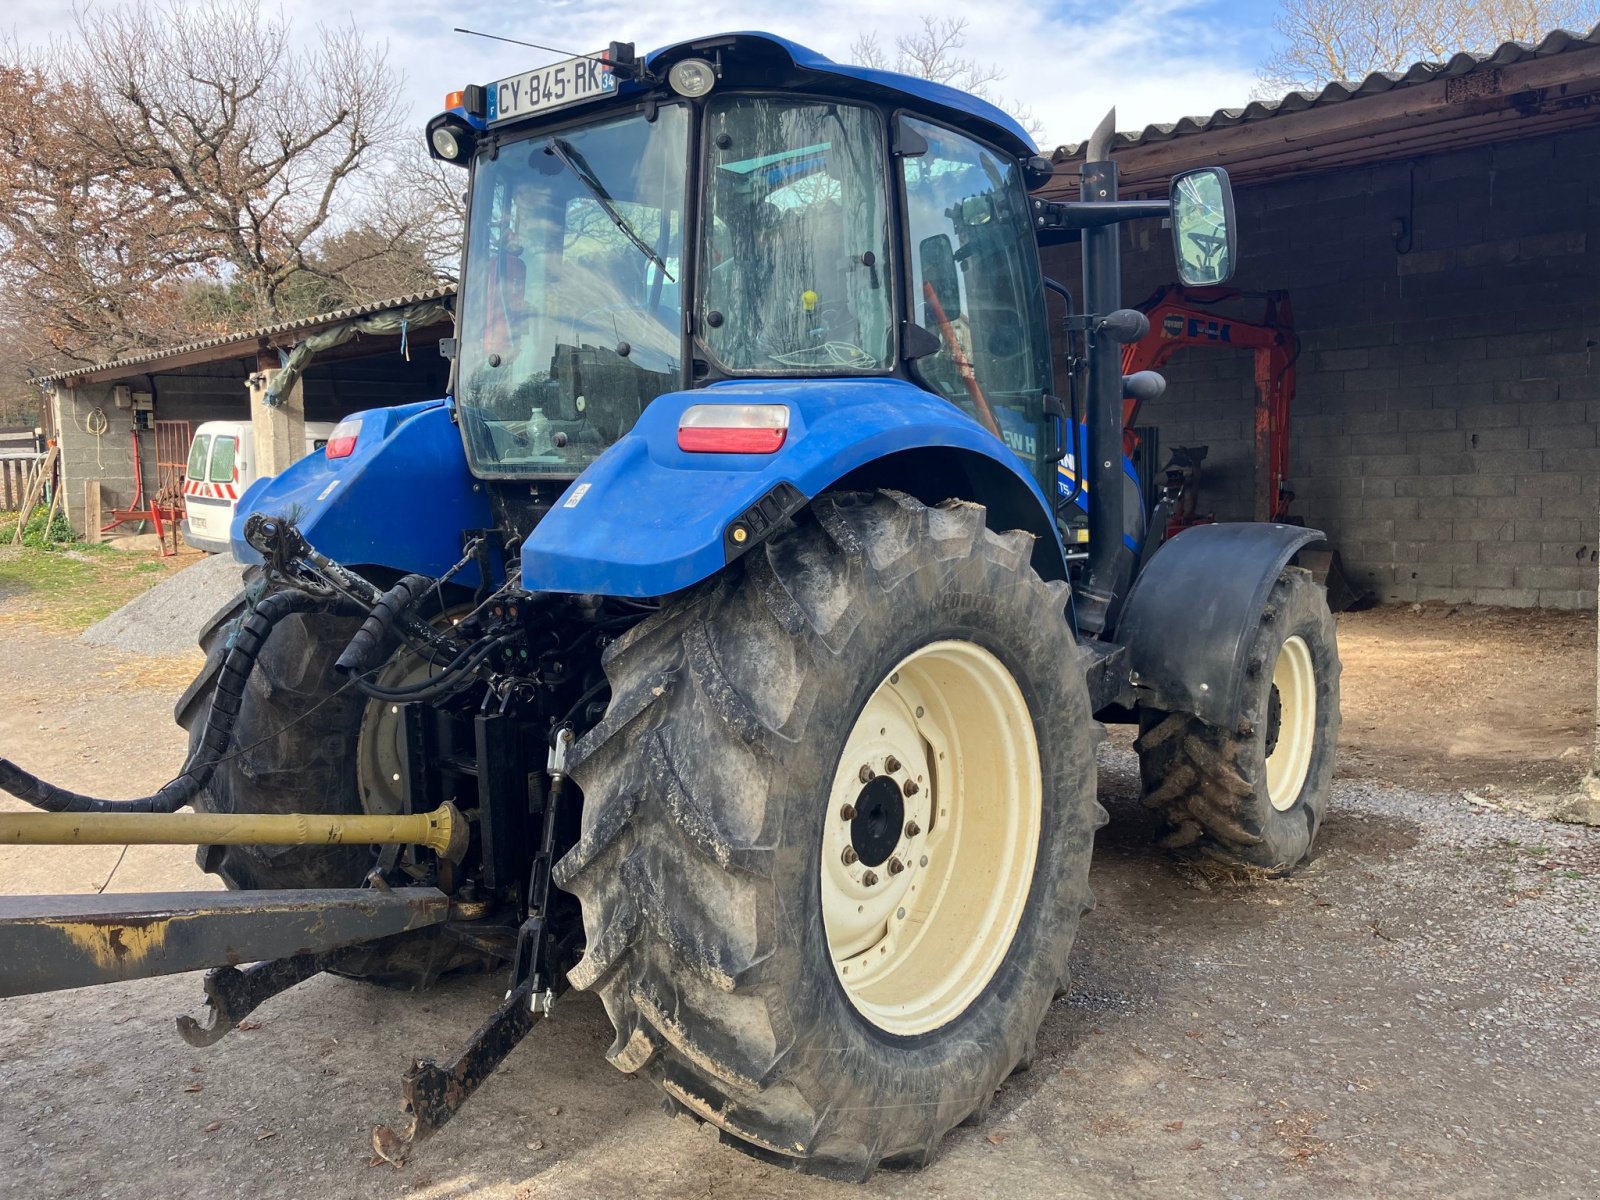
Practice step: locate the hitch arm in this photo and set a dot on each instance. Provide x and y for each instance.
(431, 1094)
(232, 994)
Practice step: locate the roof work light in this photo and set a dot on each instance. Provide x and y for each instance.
(692, 77)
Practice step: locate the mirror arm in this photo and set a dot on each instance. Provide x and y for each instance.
(1091, 214)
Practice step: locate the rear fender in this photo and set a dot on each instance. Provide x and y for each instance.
(402, 500)
(647, 518)
(1189, 618)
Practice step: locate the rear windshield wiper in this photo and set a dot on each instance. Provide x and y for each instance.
(575, 162)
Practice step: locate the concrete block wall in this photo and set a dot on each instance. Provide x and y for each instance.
(1444, 428)
(198, 394)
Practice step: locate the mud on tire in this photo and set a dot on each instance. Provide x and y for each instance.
(705, 789)
(285, 761)
(1211, 783)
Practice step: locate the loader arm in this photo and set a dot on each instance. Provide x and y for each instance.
(1180, 318)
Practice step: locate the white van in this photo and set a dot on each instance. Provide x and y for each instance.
(222, 463)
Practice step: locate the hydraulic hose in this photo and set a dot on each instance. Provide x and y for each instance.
(250, 637)
(367, 645)
(455, 677)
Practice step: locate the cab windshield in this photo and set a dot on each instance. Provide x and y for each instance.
(571, 292)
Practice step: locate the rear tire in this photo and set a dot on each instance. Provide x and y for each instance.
(710, 823)
(1256, 792)
(296, 745)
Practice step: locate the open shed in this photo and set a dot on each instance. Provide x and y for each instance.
(128, 424)
(1436, 233)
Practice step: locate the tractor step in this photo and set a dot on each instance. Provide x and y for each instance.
(53, 942)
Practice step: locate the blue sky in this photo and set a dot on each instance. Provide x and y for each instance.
(1156, 60)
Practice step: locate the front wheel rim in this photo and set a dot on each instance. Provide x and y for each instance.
(930, 840)
(1294, 685)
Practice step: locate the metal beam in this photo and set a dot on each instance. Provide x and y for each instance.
(1534, 85)
(53, 942)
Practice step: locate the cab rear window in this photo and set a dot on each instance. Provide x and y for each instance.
(222, 452)
(199, 452)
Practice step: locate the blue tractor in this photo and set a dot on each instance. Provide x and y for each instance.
(716, 635)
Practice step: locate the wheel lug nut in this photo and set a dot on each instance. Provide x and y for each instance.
(865, 774)
(847, 812)
(870, 879)
(891, 764)
(912, 829)
(849, 856)
(896, 866)
(910, 787)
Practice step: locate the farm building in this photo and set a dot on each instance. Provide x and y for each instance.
(1435, 234)
(128, 424)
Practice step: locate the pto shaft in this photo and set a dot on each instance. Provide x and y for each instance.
(444, 831)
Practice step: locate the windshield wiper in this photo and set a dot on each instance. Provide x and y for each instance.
(575, 162)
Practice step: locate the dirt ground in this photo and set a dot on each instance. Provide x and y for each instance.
(1414, 1013)
(1468, 698)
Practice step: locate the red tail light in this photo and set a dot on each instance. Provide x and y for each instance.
(342, 441)
(733, 428)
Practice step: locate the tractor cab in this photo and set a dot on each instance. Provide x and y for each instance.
(736, 209)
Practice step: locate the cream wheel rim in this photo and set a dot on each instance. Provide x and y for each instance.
(1294, 687)
(929, 842)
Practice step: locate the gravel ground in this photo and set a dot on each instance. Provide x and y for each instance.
(1413, 1014)
(163, 621)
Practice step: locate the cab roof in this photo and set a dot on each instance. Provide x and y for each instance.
(752, 57)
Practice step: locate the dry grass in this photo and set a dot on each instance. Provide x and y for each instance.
(1207, 874)
(66, 591)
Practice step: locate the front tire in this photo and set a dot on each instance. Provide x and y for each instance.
(744, 717)
(1256, 791)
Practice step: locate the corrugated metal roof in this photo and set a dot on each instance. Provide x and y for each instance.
(245, 337)
(1560, 41)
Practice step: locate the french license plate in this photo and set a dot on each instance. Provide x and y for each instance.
(555, 86)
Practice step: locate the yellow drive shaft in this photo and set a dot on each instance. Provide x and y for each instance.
(444, 831)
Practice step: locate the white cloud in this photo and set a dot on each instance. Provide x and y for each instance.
(1156, 60)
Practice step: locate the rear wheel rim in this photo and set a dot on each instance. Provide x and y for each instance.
(930, 840)
(1294, 681)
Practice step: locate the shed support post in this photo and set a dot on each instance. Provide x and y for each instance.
(280, 430)
(1584, 807)
(93, 511)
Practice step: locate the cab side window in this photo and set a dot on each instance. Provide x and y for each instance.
(975, 283)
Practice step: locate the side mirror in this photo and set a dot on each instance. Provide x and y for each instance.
(1203, 238)
(941, 278)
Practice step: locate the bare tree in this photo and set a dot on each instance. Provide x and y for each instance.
(934, 52)
(1328, 40)
(251, 137)
(86, 240)
(406, 236)
(176, 172)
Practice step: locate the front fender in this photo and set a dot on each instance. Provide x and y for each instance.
(647, 518)
(1191, 613)
(402, 500)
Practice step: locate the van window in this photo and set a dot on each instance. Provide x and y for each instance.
(199, 452)
(222, 459)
